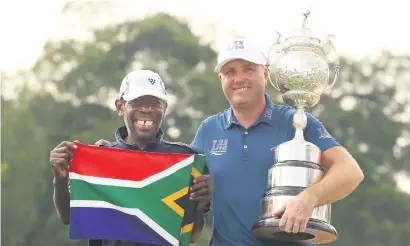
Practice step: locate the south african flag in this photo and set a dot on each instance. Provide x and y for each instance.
(130, 195)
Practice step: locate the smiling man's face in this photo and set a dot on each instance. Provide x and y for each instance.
(143, 117)
(243, 82)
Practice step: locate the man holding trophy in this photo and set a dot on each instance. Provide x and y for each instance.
(275, 169)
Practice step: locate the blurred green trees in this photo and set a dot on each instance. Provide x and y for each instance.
(79, 79)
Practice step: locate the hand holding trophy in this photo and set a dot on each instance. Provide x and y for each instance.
(301, 68)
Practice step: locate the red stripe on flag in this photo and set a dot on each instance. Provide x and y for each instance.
(120, 163)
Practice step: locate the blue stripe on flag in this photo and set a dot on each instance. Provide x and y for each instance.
(111, 224)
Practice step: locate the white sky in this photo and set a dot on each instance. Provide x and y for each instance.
(361, 27)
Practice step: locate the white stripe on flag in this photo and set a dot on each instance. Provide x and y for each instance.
(131, 211)
(134, 184)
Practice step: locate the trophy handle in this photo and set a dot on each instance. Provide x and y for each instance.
(274, 45)
(332, 49)
(337, 69)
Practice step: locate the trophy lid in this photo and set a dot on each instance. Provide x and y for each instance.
(305, 36)
(304, 31)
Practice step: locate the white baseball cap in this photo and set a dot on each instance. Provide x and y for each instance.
(142, 83)
(240, 48)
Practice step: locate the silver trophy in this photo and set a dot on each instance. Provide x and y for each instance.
(301, 66)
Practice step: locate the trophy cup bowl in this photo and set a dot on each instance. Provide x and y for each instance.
(301, 67)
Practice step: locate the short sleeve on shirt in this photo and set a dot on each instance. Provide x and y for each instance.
(317, 134)
(198, 142)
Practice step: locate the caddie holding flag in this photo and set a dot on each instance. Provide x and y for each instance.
(142, 103)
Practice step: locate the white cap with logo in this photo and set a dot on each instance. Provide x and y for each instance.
(142, 83)
(240, 48)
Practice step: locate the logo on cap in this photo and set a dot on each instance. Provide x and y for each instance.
(152, 81)
(236, 45)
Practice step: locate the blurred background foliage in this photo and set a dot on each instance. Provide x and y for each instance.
(76, 84)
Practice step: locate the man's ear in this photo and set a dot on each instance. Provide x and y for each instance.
(266, 74)
(165, 110)
(119, 105)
